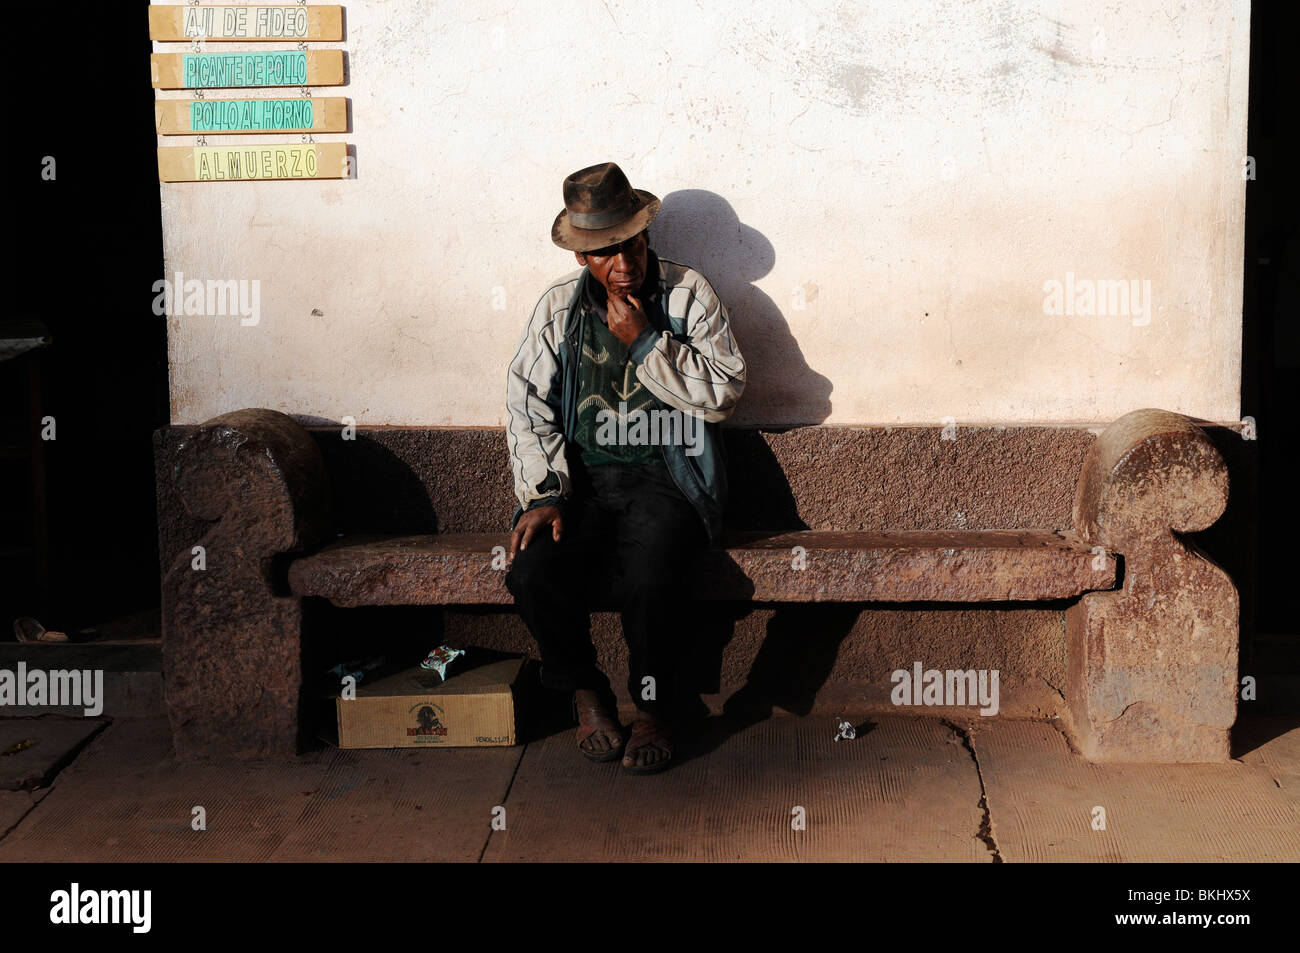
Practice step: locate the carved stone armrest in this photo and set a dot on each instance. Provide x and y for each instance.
(231, 642)
(1152, 667)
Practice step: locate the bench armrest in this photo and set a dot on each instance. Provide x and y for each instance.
(1152, 667)
(232, 667)
(260, 474)
(1149, 472)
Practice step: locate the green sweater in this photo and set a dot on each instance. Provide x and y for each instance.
(606, 379)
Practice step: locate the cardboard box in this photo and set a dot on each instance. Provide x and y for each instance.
(416, 709)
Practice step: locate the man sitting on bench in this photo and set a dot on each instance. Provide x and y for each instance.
(614, 397)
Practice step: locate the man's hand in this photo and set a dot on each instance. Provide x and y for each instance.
(534, 521)
(626, 318)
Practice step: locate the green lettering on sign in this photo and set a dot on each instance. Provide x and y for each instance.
(225, 70)
(210, 115)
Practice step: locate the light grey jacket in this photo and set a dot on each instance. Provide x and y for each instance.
(687, 359)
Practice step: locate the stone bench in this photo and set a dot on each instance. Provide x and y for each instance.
(1151, 667)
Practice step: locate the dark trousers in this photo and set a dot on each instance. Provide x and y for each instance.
(629, 539)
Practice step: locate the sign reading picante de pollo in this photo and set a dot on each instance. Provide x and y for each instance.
(190, 117)
(249, 68)
(180, 23)
(250, 163)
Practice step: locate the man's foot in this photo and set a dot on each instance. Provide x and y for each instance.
(650, 749)
(600, 736)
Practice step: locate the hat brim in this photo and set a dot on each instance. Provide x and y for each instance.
(588, 239)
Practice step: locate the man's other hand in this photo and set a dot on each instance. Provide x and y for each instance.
(625, 317)
(534, 521)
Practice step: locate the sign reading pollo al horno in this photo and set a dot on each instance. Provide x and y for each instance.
(189, 117)
(180, 23)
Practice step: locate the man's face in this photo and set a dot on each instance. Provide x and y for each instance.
(621, 268)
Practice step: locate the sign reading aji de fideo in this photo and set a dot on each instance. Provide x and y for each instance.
(179, 23)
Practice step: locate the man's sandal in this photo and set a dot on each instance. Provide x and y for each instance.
(648, 734)
(594, 718)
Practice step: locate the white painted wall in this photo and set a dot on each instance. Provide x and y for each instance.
(911, 172)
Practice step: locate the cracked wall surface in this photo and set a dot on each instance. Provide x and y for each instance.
(879, 192)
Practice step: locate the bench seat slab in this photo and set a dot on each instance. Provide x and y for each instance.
(808, 566)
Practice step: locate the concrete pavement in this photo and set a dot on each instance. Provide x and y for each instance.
(905, 789)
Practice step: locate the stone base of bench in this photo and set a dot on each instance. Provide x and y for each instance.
(1151, 668)
(817, 659)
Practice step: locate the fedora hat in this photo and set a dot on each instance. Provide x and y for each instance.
(601, 208)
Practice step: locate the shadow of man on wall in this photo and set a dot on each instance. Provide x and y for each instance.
(700, 229)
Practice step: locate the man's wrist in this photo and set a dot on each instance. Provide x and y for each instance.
(643, 344)
(544, 501)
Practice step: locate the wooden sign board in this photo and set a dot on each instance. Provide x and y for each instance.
(181, 23)
(253, 163)
(233, 117)
(248, 68)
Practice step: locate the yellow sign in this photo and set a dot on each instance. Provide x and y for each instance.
(241, 163)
